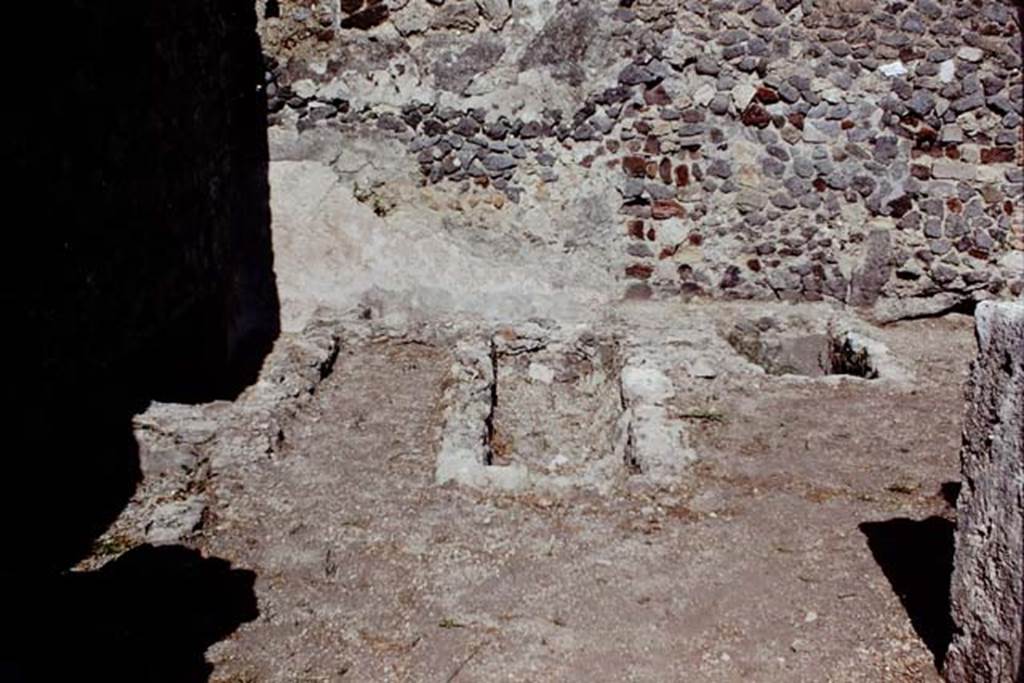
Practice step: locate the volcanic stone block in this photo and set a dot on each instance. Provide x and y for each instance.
(987, 589)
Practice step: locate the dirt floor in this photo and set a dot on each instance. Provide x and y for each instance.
(811, 542)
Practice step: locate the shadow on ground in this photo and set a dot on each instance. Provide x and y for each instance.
(140, 269)
(148, 615)
(917, 559)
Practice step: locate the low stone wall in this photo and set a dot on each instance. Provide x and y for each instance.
(987, 591)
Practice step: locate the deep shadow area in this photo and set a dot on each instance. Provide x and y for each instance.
(140, 172)
(950, 492)
(149, 615)
(917, 559)
(139, 267)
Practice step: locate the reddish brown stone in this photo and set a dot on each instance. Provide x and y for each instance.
(756, 115)
(978, 253)
(952, 152)
(908, 54)
(925, 137)
(635, 229)
(587, 161)
(766, 95)
(642, 127)
(668, 252)
(634, 166)
(612, 145)
(920, 171)
(367, 18)
(652, 169)
(639, 271)
(652, 145)
(651, 235)
(954, 204)
(665, 170)
(900, 206)
(693, 115)
(682, 175)
(997, 155)
(796, 119)
(1008, 207)
(754, 265)
(695, 238)
(657, 96)
(666, 208)
(847, 124)
(819, 184)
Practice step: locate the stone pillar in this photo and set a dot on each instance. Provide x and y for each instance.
(987, 588)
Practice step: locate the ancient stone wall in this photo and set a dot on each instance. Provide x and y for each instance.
(850, 151)
(987, 588)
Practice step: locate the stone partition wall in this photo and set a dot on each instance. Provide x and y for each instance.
(850, 150)
(987, 590)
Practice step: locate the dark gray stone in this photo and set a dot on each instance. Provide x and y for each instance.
(707, 65)
(454, 72)
(562, 44)
(635, 74)
(783, 201)
(720, 168)
(803, 167)
(766, 17)
(968, 103)
(864, 185)
(497, 163)
(921, 102)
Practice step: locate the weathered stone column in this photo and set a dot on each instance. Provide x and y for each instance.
(987, 590)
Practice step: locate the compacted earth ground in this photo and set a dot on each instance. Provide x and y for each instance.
(809, 539)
